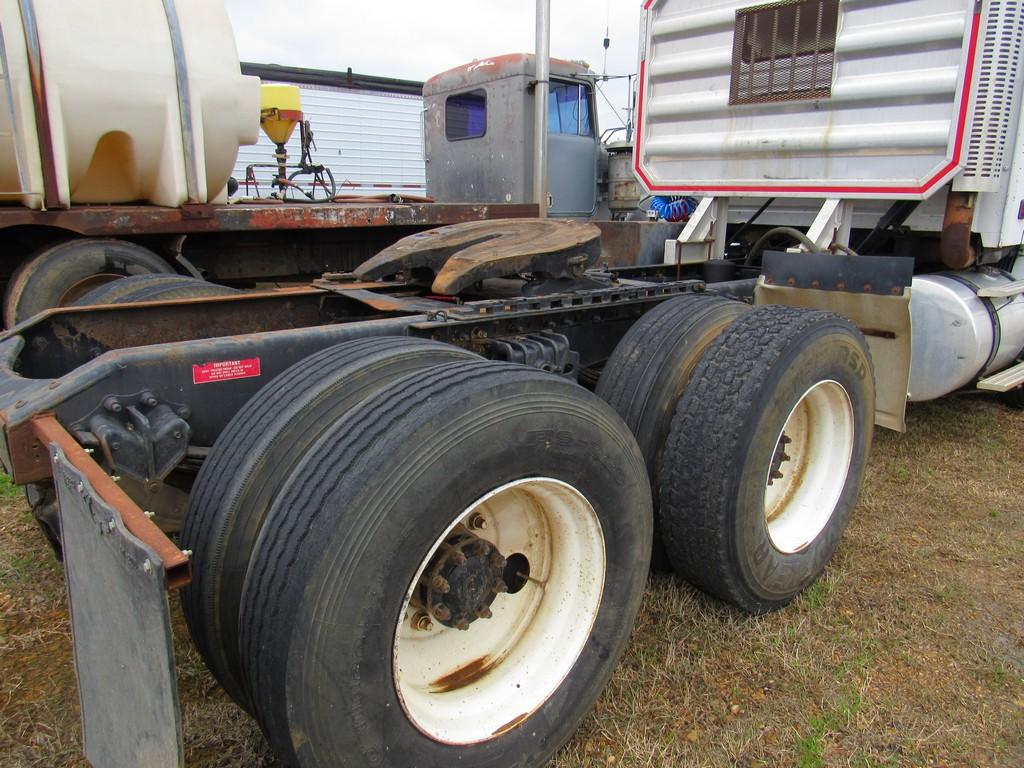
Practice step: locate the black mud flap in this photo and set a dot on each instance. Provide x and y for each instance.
(120, 620)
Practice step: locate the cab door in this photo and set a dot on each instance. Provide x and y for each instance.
(572, 150)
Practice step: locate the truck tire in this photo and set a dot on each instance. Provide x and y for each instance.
(129, 290)
(250, 462)
(765, 456)
(60, 274)
(344, 671)
(648, 371)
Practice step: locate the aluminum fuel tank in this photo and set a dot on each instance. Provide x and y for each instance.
(959, 336)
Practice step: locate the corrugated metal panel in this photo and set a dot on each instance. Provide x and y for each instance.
(372, 142)
(893, 126)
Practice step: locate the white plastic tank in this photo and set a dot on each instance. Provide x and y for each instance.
(144, 98)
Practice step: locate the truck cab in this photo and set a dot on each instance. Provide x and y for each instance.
(478, 133)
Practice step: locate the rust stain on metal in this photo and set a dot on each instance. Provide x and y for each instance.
(30, 462)
(463, 254)
(955, 247)
(463, 676)
(511, 724)
(119, 220)
(178, 567)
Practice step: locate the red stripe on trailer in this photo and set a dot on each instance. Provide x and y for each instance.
(936, 179)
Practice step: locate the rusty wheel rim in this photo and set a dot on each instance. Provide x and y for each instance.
(469, 684)
(77, 290)
(809, 466)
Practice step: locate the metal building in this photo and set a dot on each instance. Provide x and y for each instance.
(368, 130)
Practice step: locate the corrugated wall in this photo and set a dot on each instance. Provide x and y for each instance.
(371, 141)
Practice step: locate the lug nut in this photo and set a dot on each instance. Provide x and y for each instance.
(441, 611)
(497, 560)
(477, 522)
(462, 623)
(440, 584)
(422, 622)
(499, 587)
(483, 612)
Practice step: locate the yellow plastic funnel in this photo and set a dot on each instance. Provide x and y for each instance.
(280, 111)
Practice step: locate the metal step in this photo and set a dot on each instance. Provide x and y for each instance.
(1003, 291)
(1004, 381)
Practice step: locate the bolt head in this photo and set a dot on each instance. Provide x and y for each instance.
(441, 611)
(147, 566)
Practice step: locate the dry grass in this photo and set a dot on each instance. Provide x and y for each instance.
(909, 652)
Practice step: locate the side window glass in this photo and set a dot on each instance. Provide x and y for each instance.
(465, 115)
(569, 109)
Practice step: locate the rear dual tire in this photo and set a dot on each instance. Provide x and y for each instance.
(342, 546)
(332, 652)
(252, 460)
(649, 370)
(60, 274)
(765, 455)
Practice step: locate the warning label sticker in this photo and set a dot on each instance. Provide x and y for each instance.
(225, 370)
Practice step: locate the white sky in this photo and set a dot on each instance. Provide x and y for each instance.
(414, 40)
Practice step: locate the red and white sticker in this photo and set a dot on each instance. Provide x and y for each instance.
(225, 370)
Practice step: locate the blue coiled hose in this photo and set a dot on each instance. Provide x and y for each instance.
(674, 208)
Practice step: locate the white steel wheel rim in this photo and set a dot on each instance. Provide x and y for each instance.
(469, 686)
(798, 505)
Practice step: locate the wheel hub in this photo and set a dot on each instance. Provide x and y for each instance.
(463, 579)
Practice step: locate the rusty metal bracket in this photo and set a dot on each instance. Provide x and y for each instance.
(176, 564)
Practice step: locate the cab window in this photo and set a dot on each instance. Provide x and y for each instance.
(569, 109)
(465, 115)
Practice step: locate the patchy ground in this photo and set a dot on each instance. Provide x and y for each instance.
(909, 652)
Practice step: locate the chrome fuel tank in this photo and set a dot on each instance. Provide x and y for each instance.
(958, 335)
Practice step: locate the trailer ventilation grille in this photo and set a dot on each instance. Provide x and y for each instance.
(998, 73)
(784, 51)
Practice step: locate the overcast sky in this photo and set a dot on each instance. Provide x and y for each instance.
(413, 39)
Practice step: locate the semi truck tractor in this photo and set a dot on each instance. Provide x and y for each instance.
(412, 506)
